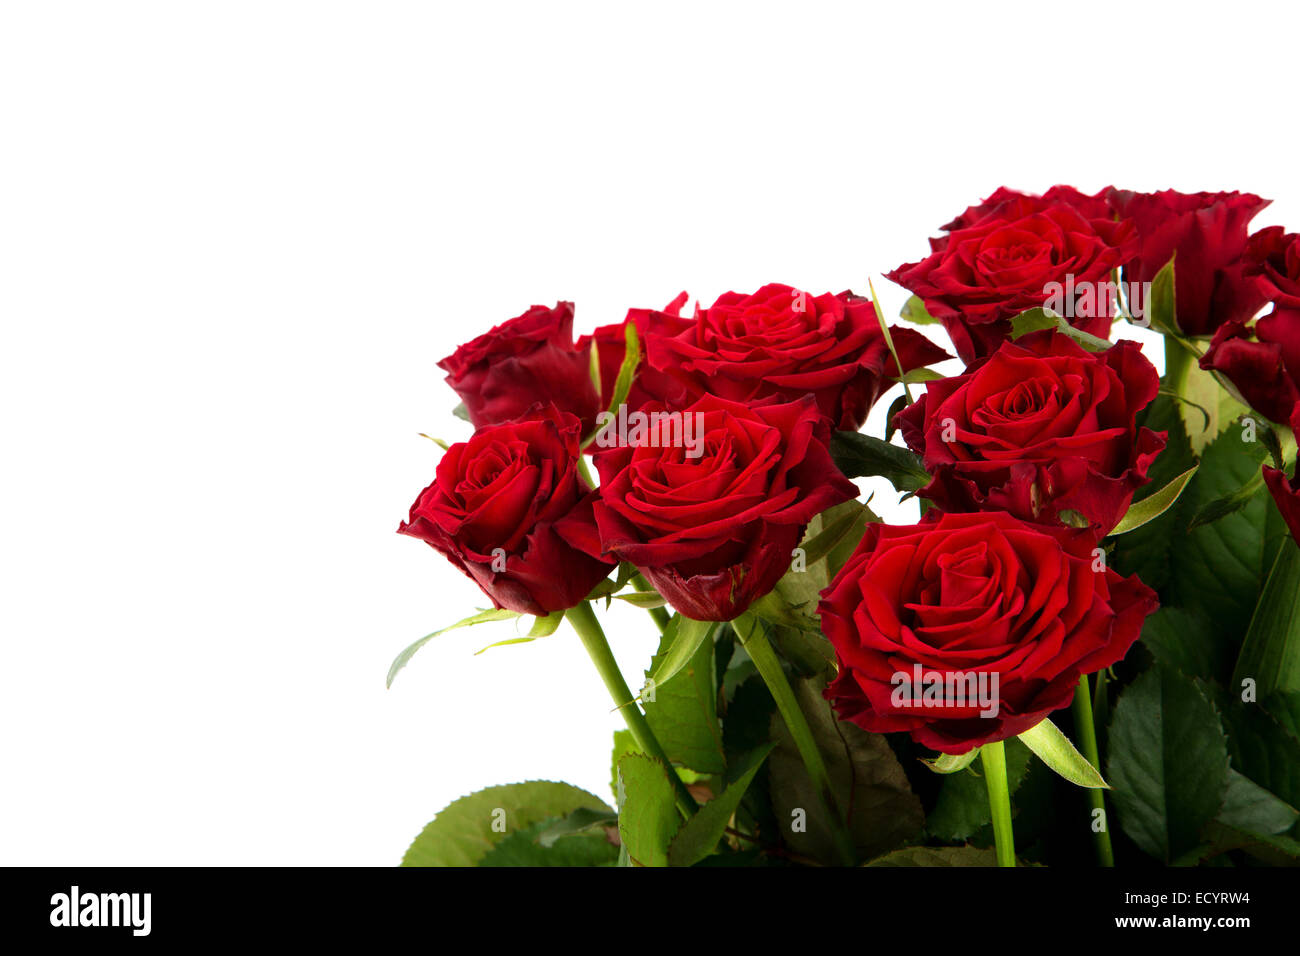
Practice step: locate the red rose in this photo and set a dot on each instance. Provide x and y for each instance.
(1267, 370)
(779, 343)
(528, 360)
(1008, 254)
(611, 349)
(505, 506)
(1273, 255)
(973, 596)
(1208, 233)
(1287, 494)
(1039, 427)
(712, 518)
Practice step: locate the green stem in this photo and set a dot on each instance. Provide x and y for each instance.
(994, 758)
(593, 639)
(769, 668)
(1087, 733)
(657, 614)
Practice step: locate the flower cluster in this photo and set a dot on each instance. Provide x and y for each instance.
(765, 377)
(726, 438)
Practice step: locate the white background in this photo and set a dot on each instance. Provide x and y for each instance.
(235, 238)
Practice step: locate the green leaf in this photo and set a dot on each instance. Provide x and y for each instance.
(626, 371)
(683, 714)
(1168, 762)
(1175, 397)
(896, 406)
(914, 311)
(506, 643)
(1054, 749)
(1186, 641)
(622, 382)
(1145, 551)
(950, 763)
(1153, 506)
(681, 640)
(609, 586)
(807, 650)
(962, 808)
(1227, 504)
(702, 832)
(1220, 568)
(791, 606)
(482, 617)
(1248, 806)
(526, 848)
(1271, 652)
(868, 783)
(547, 624)
(1264, 750)
(1270, 850)
(648, 818)
(593, 365)
(889, 340)
(837, 524)
(1074, 519)
(1035, 320)
(861, 456)
(787, 605)
(793, 602)
(582, 820)
(466, 829)
(918, 376)
(1267, 434)
(937, 856)
(623, 744)
(461, 412)
(642, 599)
(1160, 304)
(1284, 707)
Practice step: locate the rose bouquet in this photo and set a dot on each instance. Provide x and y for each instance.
(1086, 650)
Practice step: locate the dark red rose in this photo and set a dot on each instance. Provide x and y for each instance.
(712, 514)
(1208, 233)
(611, 349)
(1039, 427)
(1287, 493)
(1262, 360)
(967, 595)
(779, 343)
(1264, 368)
(528, 360)
(505, 506)
(1273, 255)
(1015, 254)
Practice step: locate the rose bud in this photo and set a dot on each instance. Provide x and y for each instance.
(528, 360)
(967, 629)
(710, 502)
(1287, 494)
(509, 508)
(1016, 252)
(1207, 231)
(778, 344)
(1039, 427)
(1265, 370)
